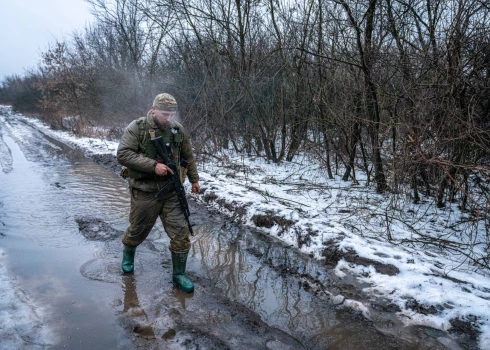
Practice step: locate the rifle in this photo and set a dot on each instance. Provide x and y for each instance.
(175, 184)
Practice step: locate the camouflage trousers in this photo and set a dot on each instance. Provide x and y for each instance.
(145, 209)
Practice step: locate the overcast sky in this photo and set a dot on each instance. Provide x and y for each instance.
(28, 26)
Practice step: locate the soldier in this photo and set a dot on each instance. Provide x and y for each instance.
(146, 176)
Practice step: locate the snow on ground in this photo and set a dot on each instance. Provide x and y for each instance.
(429, 279)
(90, 145)
(298, 204)
(21, 321)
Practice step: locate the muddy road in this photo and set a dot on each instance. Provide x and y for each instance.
(61, 219)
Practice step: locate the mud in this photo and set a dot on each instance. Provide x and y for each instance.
(270, 220)
(252, 291)
(466, 332)
(108, 161)
(206, 319)
(421, 309)
(96, 229)
(333, 255)
(230, 324)
(310, 284)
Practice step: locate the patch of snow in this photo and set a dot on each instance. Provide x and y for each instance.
(357, 306)
(91, 146)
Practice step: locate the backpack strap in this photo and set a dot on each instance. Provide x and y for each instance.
(176, 136)
(142, 132)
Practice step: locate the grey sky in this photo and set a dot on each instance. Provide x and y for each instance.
(28, 26)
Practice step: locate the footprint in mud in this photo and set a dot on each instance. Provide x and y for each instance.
(170, 334)
(145, 331)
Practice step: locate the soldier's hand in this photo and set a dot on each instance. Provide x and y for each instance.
(162, 170)
(195, 187)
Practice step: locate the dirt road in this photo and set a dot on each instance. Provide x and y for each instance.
(61, 219)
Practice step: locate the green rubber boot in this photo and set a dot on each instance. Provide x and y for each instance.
(179, 278)
(128, 259)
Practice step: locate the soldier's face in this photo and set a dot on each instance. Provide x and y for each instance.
(163, 117)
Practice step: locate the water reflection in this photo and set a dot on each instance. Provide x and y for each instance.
(256, 272)
(275, 282)
(142, 326)
(181, 296)
(40, 195)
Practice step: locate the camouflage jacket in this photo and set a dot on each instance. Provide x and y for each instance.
(136, 152)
